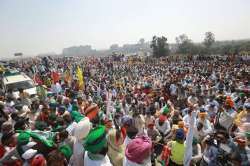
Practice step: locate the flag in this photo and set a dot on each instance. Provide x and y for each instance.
(189, 141)
(79, 75)
(37, 79)
(67, 76)
(55, 76)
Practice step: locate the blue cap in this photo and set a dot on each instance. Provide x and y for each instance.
(180, 134)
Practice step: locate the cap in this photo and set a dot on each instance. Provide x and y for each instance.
(66, 150)
(162, 118)
(180, 134)
(96, 140)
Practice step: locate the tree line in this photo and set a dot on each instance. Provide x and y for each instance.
(185, 46)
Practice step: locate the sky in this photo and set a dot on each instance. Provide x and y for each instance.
(42, 26)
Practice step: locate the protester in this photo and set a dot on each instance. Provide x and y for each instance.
(96, 148)
(103, 111)
(162, 125)
(196, 154)
(116, 148)
(177, 147)
(138, 152)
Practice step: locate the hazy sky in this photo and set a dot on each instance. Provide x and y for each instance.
(40, 26)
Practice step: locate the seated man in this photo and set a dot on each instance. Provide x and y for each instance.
(242, 119)
(162, 125)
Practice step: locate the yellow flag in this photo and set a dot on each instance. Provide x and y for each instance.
(67, 76)
(79, 75)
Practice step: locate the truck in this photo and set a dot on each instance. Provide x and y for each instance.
(15, 80)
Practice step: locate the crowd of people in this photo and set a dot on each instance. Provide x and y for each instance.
(103, 112)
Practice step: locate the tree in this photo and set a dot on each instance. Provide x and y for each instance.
(154, 46)
(209, 39)
(182, 39)
(141, 41)
(245, 46)
(160, 46)
(185, 45)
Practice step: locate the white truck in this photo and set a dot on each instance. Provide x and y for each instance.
(14, 80)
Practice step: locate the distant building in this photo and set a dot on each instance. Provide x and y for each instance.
(78, 51)
(141, 49)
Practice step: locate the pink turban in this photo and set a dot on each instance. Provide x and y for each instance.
(139, 149)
